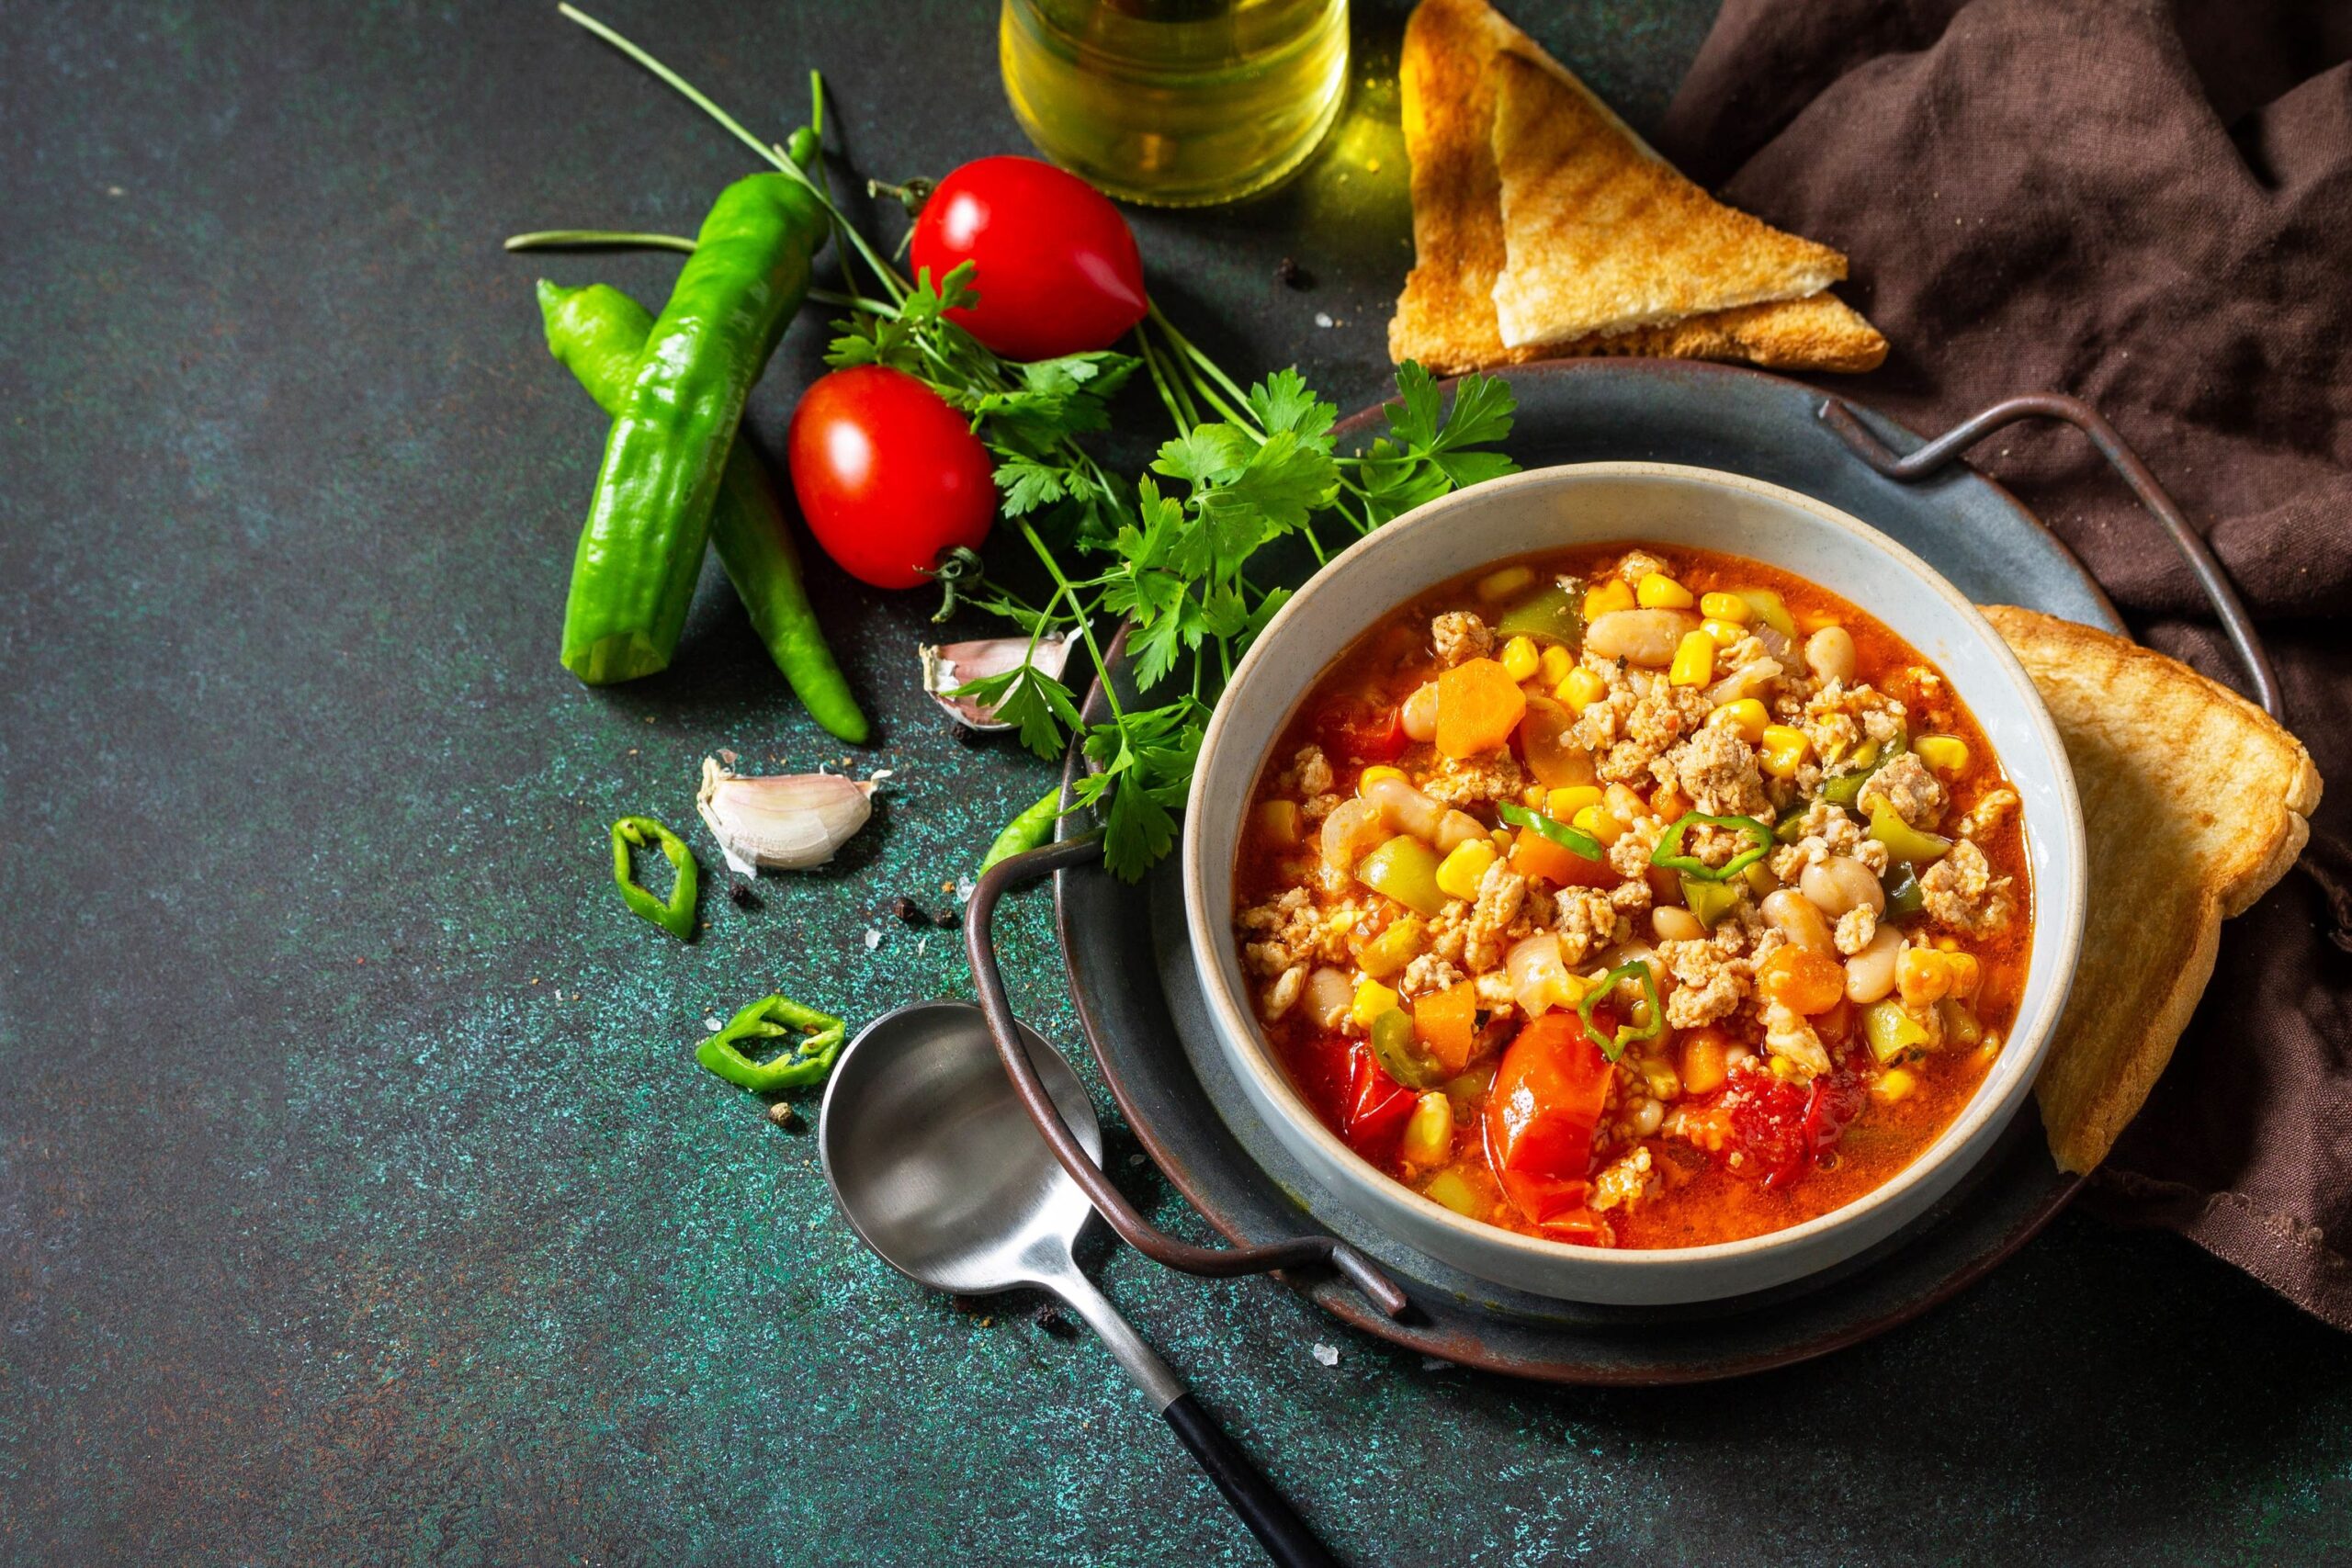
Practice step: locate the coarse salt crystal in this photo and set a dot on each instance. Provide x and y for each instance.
(1328, 1354)
(1323, 318)
(713, 1024)
(873, 938)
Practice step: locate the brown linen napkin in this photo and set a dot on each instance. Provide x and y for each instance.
(2147, 204)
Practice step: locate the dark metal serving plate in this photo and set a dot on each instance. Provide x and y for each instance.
(1131, 974)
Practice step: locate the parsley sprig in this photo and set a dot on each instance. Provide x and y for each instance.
(1170, 554)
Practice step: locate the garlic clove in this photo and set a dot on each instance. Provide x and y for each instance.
(789, 821)
(949, 665)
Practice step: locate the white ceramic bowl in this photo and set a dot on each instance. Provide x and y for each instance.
(1589, 502)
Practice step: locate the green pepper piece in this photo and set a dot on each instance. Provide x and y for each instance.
(1404, 869)
(806, 1061)
(676, 915)
(1904, 841)
(1789, 828)
(1575, 841)
(1395, 947)
(599, 333)
(1552, 616)
(1027, 831)
(1710, 901)
(1391, 1046)
(641, 547)
(1892, 1031)
(1846, 789)
(1903, 896)
(1448, 1187)
(1668, 855)
(1626, 1033)
(1770, 609)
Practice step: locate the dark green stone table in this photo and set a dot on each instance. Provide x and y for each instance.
(359, 1201)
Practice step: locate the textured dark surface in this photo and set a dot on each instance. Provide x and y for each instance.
(358, 1199)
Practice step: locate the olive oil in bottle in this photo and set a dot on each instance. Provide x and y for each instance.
(1176, 102)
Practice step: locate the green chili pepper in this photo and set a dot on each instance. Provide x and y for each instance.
(1027, 831)
(677, 915)
(1574, 840)
(806, 1061)
(1904, 899)
(1846, 788)
(1669, 854)
(599, 333)
(1791, 828)
(1710, 901)
(1615, 1046)
(1391, 1046)
(642, 547)
(1552, 616)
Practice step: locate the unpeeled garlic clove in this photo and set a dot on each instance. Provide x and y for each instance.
(946, 666)
(789, 821)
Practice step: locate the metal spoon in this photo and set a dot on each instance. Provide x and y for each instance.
(943, 1174)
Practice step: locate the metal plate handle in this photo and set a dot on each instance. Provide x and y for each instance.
(1946, 448)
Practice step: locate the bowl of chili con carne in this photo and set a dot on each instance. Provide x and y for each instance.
(1633, 883)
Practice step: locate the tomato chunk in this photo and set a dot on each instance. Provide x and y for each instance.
(1378, 1108)
(1359, 730)
(1548, 1096)
(1782, 1129)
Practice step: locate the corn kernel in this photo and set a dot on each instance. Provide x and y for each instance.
(1458, 874)
(1945, 753)
(1723, 634)
(1894, 1084)
(1429, 1131)
(1612, 595)
(1372, 998)
(1745, 718)
(1600, 823)
(1553, 667)
(1694, 660)
(1581, 689)
(1371, 776)
(1784, 749)
(1502, 585)
(1660, 591)
(1279, 821)
(1519, 658)
(1531, 797)
(1727, 607)
(1563, 804)
(1669, 803)
(1947, 944)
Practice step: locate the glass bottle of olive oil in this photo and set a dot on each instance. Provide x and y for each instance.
(1176, 102)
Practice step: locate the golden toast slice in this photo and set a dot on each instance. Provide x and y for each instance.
(2195, 803)
(1446, 317)
(1602, 235)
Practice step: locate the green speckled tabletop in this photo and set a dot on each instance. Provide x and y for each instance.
(359, 1201)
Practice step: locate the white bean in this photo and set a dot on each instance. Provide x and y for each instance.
(1458, 828)
(1350, 833)
(1840, 883)
(1644, 637)
(1869, 973)
(1829, 653)
(1676, 925)
(1798, 918)
(1645, 1116)
(1328, 997)
(1419, 713)
(1405, 808)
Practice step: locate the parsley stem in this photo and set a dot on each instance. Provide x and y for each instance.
(1085, 622)
(1190, 350)
(1185, 418)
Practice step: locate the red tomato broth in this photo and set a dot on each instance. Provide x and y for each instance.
(1696, 1196)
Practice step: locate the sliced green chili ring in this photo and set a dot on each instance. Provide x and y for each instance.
(818, 1041)
(1575, 841)
(1391, 1046)
(1903, 896)
(1669, 856)
(1626, 1033)
(676, 914)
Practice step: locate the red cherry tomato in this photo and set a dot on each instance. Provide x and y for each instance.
(888, 476)
(1358, 729)
(1378, 1108)
(1549, 1091)
(1054, 263)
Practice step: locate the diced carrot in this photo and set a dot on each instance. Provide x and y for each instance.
(1804, 980)
(1703, 1067)
(1532, 854)
(1478, 705)
(1447, 1022)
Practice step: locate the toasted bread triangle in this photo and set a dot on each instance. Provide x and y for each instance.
(2196, 802)
(1602, 235)
(1445, 317)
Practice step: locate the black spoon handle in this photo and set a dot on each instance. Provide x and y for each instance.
(1272, 1519)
